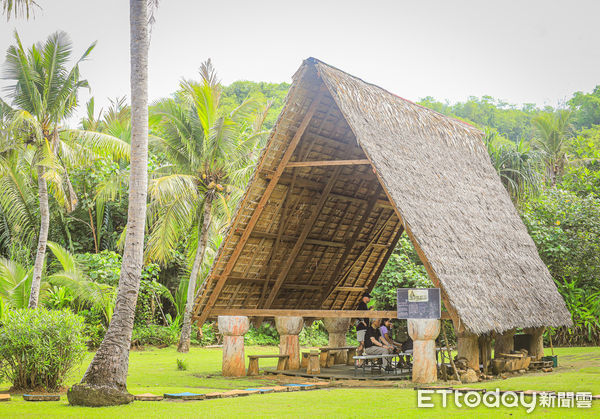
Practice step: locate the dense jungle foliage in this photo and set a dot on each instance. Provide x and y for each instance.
(548, 159)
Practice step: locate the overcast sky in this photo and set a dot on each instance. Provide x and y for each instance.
(521, 51)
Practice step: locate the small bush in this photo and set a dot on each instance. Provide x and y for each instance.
(155, 335)
(266, 334)
(181, 365)
(39, 347)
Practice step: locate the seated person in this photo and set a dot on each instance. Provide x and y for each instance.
(374, 345)
(385, 330)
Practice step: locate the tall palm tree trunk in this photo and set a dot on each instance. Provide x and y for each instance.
(105, 381)
(42, 239)
(186, 329)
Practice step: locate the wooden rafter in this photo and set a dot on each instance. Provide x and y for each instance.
(259, 208)
(305, 232)
(351, 242)
(330, 287)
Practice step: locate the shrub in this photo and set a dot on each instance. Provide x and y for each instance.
(566, 230)
(153, 334)
(181, 365)
(314, 335)
(266, 334)
(39, 347)
(403, 270)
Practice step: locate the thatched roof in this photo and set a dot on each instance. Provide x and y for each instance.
(316, 236)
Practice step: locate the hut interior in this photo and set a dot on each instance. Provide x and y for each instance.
(327, 227)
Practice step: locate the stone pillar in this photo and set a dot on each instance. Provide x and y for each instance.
(337, 329)
(423, 333)
(468, 348)
(505, 343)
(233, 329)
(289, 328)
(536, 349)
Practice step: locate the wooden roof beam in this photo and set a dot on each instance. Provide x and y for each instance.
(319, 314)
(316, 186)
(328, 163)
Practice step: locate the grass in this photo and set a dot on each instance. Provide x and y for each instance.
(155, 371)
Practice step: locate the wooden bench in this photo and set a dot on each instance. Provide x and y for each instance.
(310, 361)
(253, 364)
(331, 355)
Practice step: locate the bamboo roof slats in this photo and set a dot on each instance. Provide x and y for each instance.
(347, 169)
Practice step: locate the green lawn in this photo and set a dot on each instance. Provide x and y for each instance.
(154, 370)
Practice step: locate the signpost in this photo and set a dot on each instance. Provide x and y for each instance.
(422, 309)
(419, 303)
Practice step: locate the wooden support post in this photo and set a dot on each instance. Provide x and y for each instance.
(233, 329)
(289, 328)
(313, 363)
(259, 208)
(536, 348)
(423, 333)
(252, 367)
(505, 342)
(468, 348)
(485, 352)
(337, 329)
(305, 232)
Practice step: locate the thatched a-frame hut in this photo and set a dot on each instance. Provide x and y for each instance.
(348, 168)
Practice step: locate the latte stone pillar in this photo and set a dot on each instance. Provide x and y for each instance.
(337, 329)
(468, 348)
(289, 328)
(505, 342)
(233, 329)
(423, 333)
(536, 347)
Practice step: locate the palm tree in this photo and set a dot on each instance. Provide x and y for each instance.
(18, 8)
(105, 381)
(15, 283)
(517, 165)
(211, 153)
(553, 132)
(43, 96)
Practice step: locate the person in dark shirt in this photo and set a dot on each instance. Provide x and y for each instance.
(361, 324)
(374, 344)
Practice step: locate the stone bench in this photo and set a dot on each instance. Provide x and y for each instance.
(253, 364)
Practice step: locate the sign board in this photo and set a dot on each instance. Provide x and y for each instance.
(419, 303)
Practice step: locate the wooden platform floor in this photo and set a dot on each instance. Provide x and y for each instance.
(344, 372)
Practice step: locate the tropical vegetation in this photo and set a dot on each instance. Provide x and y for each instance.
(130, 277)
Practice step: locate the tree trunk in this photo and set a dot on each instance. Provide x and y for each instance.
(186, 329)
(105, 381)
(42, 239)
